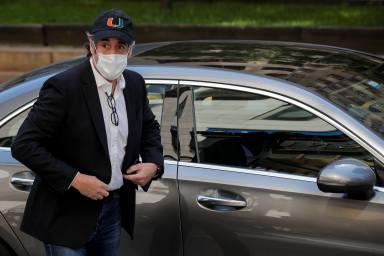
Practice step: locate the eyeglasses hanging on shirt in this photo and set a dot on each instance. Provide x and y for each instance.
(112, 106)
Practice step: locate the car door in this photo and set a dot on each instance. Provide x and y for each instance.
(157, 228)
(247, 178)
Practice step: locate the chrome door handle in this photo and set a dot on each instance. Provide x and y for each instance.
(23, 180)
(216, 201)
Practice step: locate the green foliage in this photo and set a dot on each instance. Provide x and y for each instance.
(188, 12)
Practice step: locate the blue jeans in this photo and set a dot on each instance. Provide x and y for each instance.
(104, 241)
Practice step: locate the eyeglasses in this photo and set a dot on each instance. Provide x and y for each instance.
(112, 105)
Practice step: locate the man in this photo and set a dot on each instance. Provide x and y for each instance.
(83, 138)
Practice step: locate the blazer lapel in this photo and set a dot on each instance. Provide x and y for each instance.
(93, 102)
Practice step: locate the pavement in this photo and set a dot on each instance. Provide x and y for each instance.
(16, 60)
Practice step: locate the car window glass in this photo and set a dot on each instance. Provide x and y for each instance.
(247, 130)
(162, 101)
(155, 94)
(9, 130)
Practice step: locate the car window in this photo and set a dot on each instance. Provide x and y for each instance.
(9, 130)
(247, 130)
(162, 101)
(155, 94)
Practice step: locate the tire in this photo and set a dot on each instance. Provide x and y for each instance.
(4, 251)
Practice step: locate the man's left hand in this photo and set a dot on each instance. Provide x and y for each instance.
(141, 173)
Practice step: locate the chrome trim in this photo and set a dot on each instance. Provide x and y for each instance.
(172, 162)
(21, 181)
(16, 112)
(337, 125)
(221, 201)
(161, 81)
(12, 115)
(258, 171)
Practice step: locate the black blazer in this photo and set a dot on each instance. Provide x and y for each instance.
(65, 133)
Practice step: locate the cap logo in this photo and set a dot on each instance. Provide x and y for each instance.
(111, 22)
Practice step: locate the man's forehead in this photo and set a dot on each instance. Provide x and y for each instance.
(113, 39)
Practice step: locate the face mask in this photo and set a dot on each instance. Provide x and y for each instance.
(111, 66)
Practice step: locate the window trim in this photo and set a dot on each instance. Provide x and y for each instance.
(161, 81)
(16, 112)
(258, 171)
(12, 115)
(292, 101)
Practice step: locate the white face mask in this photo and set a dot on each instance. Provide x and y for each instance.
(111, 66)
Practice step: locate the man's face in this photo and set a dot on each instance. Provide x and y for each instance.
(111, 46)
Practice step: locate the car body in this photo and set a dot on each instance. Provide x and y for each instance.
(270, 148)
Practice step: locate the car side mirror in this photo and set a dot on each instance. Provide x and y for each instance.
(348, 175)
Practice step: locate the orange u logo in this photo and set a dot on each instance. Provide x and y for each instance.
(111, 24)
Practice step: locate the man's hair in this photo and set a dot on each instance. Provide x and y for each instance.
(88, 45)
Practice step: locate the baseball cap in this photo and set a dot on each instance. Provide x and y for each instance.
(113, 23)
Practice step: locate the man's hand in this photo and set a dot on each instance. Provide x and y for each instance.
(90, 186)
(141, 174)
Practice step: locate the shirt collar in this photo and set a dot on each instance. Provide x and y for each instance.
(101, 81)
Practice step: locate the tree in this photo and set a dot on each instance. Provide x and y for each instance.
(166, 4)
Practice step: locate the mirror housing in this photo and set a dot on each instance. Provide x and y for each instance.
(347, 175)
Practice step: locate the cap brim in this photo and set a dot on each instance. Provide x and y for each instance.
(112, 33)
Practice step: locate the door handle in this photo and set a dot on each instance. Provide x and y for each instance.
(209, 201)
(23, 180)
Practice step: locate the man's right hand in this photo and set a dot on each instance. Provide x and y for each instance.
(90, 186)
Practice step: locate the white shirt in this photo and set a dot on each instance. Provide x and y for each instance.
(116, 135)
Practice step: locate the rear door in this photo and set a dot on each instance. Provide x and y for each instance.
(247, 179)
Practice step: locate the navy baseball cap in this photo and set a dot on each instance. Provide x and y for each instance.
(113, 23)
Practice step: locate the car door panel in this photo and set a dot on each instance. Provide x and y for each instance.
(12, 201)
(157, 228)
(283, 216)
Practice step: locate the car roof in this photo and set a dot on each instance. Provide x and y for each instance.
(305, 72)
(317, 67)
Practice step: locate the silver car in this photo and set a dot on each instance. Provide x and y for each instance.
(271, 148)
